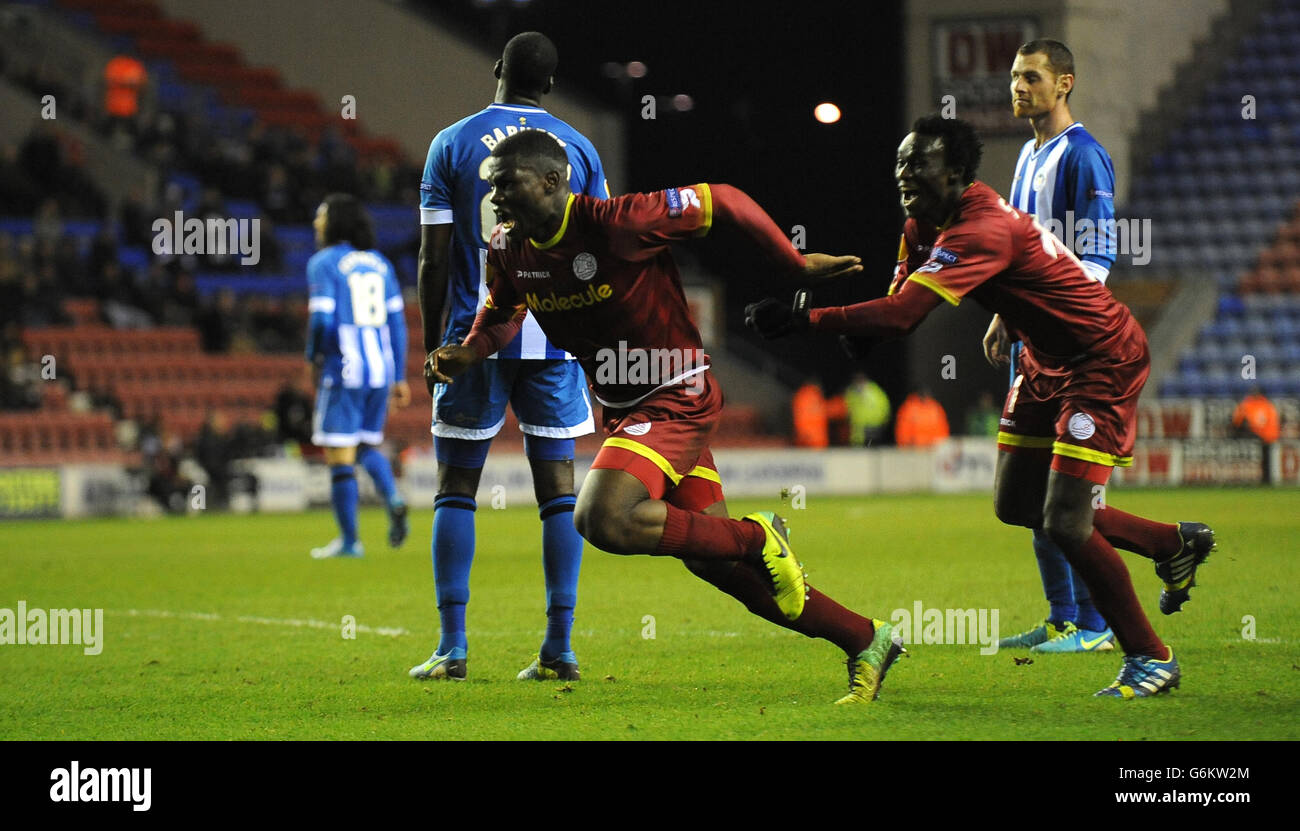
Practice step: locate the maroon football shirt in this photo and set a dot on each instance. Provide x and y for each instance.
(605, 288)
(1010, 264)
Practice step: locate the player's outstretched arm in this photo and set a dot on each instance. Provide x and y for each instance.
(773, 319)
(892, 316)
(734, 207)
(821, 268)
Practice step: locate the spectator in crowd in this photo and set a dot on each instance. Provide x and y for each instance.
(218, 446)
(160, 453)
(125, 78)
(54, 161)
(811, 426)
(217, 321)
(20, 384)
(136, 219)
(868, 408)
(41, 301)
(121, 303)
(19, 195)
(983, 418)
(921, 421)
(1256, 416)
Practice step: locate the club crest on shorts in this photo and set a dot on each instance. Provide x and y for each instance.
(1082, 426)
(584, 266)
(637, 429)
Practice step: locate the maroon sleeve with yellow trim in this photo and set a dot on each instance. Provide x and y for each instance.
(502, 315)
(965, 255)
(641, 225)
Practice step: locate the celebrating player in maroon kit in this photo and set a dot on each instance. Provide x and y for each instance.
(599, 278)
(1069, 417)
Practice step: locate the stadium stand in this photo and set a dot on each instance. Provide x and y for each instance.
(1222, 197)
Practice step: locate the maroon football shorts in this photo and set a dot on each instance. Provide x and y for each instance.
(1084, 412)
(665, 438)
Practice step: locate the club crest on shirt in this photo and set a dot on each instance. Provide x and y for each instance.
(584, 266)
(1040, 179)
(1082, 426)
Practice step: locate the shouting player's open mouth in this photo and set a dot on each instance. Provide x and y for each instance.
(909, 194)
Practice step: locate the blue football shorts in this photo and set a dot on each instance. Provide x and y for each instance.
(346, 417)
(549, 398)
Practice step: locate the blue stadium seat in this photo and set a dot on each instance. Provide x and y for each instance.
(243, 208)
(1286, 327)
(133, 257)
(17, 225)
(1217, 382)
(1266, 353)
(1233, 304)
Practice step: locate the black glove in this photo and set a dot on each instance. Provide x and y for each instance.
(856, 347)
(774, 319)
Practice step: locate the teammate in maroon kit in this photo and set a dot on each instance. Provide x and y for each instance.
(1069, 417)
(599, 278)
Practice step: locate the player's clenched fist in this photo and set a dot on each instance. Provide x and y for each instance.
(774, 319)
(446, 362)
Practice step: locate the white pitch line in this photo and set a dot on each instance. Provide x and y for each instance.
(212, 617)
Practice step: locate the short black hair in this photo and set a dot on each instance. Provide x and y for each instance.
(962, 147)
(535, 149)
(1059, 57)
(528, 62)
(346, 220)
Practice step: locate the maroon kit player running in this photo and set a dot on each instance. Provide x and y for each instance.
(1069, 417)
(599, 278)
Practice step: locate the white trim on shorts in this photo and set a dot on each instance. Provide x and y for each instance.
(588, 426)
(336, 439)
(448, 431)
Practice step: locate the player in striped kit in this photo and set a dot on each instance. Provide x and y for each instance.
(541, 383)
(356, 346)
(1064, 178)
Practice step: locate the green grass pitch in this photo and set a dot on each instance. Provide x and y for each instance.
(221, 627)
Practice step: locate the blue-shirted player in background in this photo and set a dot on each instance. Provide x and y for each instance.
(356, 346)
(1065, 179)
(543, 385)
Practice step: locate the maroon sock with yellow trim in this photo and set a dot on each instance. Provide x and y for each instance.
(1155, 540)
(700, 536)
(822, 617)
(1107, 578)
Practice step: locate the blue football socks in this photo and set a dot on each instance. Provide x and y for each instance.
(1057, 576)
(377, 465)
(561, 561)
(1089, 618)
(343, 495)
(453, 553)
